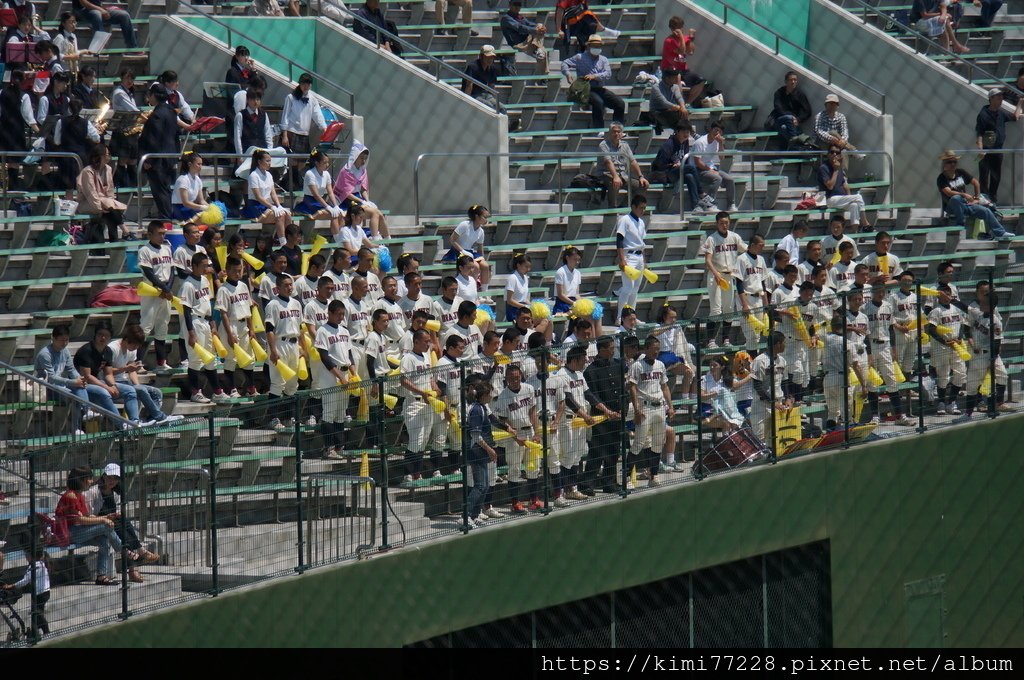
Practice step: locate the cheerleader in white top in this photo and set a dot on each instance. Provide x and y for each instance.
(263, 204)
(188, 198)
(567, 280)
(517, 287)
(319, 201)
(351, 236)
(468, 239)
(467, 271)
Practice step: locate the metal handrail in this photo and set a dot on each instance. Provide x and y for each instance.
(316, 76)
(971, 67)
(139, 171)
(557, 155)
(66, 394)
(788, 154)
(420, 52)
(17, 156)
(778, 38)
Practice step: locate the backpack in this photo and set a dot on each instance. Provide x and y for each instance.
(115, 296)
(54, 237)
(579, 91)
(597, 187)
(54, 531)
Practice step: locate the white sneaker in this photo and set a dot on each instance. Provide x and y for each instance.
(940, 410)
(276, 424)
(575, 495)
(90, 415)
(712, 344)
(407, 478)
(610, 33)
(221, 397)
(200, 398)
(875, 420)
(732, 208)
(79, 433)
(494, 512)
(654, 481)
(311, 421)
(436, 475)
(952, 409)
(183, 365)
(173, 418)
(905, 421)
(1005, 408)
(727, 343)
(481, 518)
(234, 395)
(560, 502)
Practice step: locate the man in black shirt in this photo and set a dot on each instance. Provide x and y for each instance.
(486, 71)
(604, 377)
(369, 21)
(791, 108)
(94, 361)
(957, 202)
(160, 135)
(991, 130)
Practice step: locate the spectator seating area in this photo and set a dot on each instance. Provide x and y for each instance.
(255, 469)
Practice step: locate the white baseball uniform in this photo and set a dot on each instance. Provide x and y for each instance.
(195, 295)
(284, 320)
(725, 251)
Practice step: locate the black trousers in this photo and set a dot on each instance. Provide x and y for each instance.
(990, 171)
(600, 98)
(603, 455)
(161, 178)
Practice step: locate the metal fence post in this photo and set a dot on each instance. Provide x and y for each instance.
(33, 542)
(545, 472)
(464, 448)
(772, 453)
(624, 410)
(123, 521)
(297, 422)
(382, 447)
(212, 512)
(699, 454)
(992, 299)
(920, 359)
(846, 373)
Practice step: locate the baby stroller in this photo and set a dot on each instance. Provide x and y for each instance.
(7, 599)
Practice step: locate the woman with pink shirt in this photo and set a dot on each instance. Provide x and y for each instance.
(353, 186)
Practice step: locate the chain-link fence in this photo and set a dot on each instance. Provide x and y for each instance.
(459, 428)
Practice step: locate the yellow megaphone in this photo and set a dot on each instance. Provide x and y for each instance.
(501, 435)
(257, 320)
(242, 358)
(898, 373)
(874, 377)
(929, 292)
(205, 355)
(534, 446)
(352, 384)
(147, 289)
(305, 263)
(961, 350)
(501, 359)
(433, 358)
(303, 371)
(534, 454)
(652, 277)
(363, 410)
(318, 243)
(390, 400)
(253, 261)
(219, 347)
(259, 279)
(836, 256)
(286, 371)
(580, 422)
(394, 361)
(883, 264)
(222, 256)
(852, 378)
(632, 273)
(433, 325)
(943, 330)
(858, 405)
(723, 283)
(258, 352)
(985, 389)
(307, 344)
(757, 323)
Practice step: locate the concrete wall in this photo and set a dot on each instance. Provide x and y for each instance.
(898, 514)
(408, 113)
(932, 107)
(749, 72)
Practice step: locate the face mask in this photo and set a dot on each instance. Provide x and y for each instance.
(596, 51)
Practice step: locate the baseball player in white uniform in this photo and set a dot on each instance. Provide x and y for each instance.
(304, 287)
(647, 380)
(335, 350)
(950, 371)
(750, 287)
(841, 274)
(883, 266)
(629, 244)
(182, 261)
(418, 382)
(396, 316)
(985, 327)
(787, 297)
(905, 312)
(316, 310)
(881, 314)
(284, 325)
(195, 303)
(342, 281)
(156, 265)
(235, 306)
(830, 244)
(447, 434)
(572, 441)
(357, 311)
(465, 327)
(516, 406)
(446, 306)
(721, 251)
(551, 393)
(763, 406)
(414, 297)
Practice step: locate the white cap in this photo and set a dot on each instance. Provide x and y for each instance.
(831, 98)
(488, 51)
(996, 92)
(112, 470)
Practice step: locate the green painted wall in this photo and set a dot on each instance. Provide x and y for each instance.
(788, 18)
(940, 513)
(293, 37)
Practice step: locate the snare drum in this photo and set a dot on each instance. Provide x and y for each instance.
(738, 449)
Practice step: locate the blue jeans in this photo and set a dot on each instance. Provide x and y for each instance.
(479, 488)
(118, 17)
(689, 180)
(959, 208)
(104, 538)
(786, 125)
(150, 397)
(102, 398)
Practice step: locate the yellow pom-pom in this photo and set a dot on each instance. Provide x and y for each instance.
(582, 308)
(481, 317)
(539, 310)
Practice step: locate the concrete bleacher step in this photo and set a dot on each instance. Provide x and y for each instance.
(82, 602)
